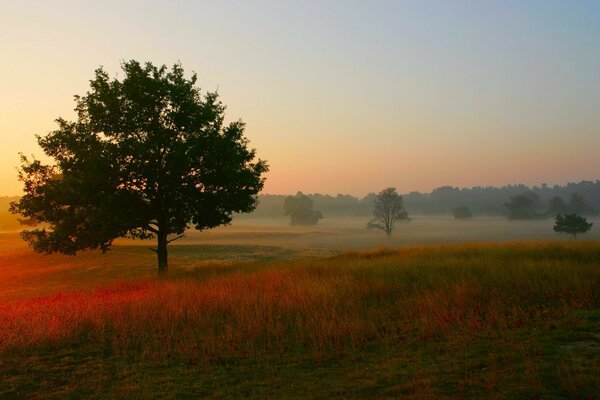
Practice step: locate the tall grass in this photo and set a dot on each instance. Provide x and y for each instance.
(324, 307)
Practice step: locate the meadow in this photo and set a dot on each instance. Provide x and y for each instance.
(269, 311)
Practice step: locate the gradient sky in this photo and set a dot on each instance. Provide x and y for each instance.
(338, 96)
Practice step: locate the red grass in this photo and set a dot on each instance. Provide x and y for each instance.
(333, 304)
(413, 306)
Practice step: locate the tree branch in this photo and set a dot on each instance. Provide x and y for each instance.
(174, 239)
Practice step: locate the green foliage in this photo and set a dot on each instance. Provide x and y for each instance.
(523, 206)
(556, 206)
(577, 205)
(388, 208)
(148, 155)
(463, 212)
(572, 224)
(300, 208)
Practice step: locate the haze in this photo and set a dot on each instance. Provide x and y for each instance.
(338, 96)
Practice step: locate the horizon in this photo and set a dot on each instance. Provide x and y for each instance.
(365, 96)
(405, 193)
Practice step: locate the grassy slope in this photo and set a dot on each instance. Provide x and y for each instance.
(488, 321)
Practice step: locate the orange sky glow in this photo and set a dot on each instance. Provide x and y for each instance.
(338, 97)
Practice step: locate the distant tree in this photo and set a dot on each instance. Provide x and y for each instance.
(523, 206)
(463, 212)
(388, 208)
(577, 205)
(149, 156)
(572, 224)
(300, 208)
(556, 206)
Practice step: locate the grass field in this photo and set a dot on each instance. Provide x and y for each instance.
(505, 320)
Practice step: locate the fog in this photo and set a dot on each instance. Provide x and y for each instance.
(268, 226)
(341, 233)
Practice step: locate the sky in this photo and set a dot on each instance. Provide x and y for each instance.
(338, 96)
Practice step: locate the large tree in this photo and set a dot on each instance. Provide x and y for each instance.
(388, 208)
(148, 156)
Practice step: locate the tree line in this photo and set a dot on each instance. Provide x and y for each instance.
(388, 208)
(512, 201)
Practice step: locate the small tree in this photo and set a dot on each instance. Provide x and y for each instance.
(388, 208)
(572, 224)
(463, 212)
(149, 156)
(300, 208)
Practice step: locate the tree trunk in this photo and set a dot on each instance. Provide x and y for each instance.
(161, 252)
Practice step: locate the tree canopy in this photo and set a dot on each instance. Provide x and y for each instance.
(524, 206)
(572, 224)
(301, 210)
(148, 156)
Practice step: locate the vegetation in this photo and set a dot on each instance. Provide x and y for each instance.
(556, 206)
(524, 206)
(301, 210)
(572, 224)
(416, 322)
(483, 201)
(388, 208)
(149, 156)
(463, 212)
(577, 205)
(488, 201)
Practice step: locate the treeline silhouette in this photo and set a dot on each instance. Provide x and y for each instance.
(482, 201)
(445, 200)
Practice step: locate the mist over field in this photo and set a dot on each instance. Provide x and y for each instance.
(341, 233)
(431, 215)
